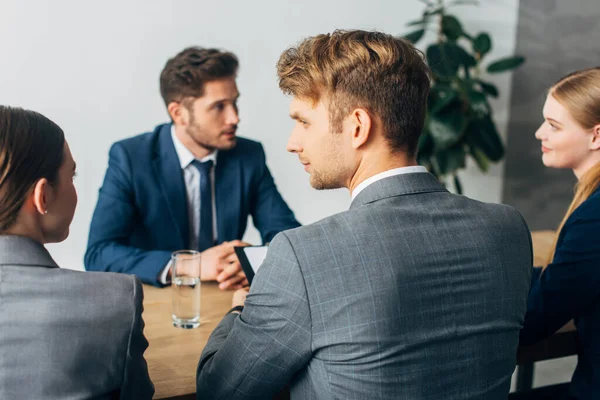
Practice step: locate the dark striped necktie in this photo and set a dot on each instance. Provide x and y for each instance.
(205, 234)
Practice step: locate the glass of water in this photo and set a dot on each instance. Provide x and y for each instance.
(185, 278)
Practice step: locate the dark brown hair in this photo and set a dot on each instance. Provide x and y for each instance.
(381, 73)
(31, 148)
(185, 74)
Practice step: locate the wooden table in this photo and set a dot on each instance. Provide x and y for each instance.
(542, 244)
(173, 353)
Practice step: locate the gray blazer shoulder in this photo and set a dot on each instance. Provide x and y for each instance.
(84, 331)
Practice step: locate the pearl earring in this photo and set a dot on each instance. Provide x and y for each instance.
(46, 212)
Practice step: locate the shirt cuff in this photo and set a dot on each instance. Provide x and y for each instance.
(164, 274)
(236, 310)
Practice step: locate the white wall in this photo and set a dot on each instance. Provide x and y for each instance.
(93, 68)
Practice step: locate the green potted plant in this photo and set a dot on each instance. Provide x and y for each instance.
(459, 121)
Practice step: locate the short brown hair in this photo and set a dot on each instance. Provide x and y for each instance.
(31, 148)
(383, 74)
(185, 74)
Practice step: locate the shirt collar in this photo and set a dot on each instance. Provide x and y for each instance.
(386, 174)
(185, 155)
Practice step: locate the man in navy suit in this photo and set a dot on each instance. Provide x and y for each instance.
(188, 184)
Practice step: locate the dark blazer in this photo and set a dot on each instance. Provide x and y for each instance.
(569, 288)
(68, 334)
(141, 216)
(413, 293)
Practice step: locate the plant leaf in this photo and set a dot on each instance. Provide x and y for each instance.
(480, 158)
(488, 88)
(505, 64)
(446, 128)
(451, 27)
(442, 97)
(415, 36)
(417, 22)
(451, 159)
(457, 185)
(479, 104)
(482, 44)
(481, 133)
(465, 58)
(442, 59)
(425, 149)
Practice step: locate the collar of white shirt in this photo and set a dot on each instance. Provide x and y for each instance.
(386, 174)
(185, 155)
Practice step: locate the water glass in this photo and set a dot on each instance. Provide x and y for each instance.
(185, 278)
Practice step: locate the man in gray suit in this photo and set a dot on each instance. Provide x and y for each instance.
(413, 293)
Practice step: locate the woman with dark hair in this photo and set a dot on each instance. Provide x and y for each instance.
(63, 333)
(568, 287)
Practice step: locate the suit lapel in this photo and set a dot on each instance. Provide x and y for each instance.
(228, 192)
(167, 170)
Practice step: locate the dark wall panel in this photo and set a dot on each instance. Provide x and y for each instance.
(557, 37)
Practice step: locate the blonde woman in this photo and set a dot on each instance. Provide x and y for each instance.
(569, 286)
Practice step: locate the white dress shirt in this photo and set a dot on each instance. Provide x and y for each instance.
(386, 174)
(191, 178)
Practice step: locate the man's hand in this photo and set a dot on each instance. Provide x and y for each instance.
(239, 297)
(221, 264)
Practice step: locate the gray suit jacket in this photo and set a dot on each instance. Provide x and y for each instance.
(68, 334)
(413, 293)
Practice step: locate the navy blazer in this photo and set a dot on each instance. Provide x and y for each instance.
(569, 288)
(141, 216)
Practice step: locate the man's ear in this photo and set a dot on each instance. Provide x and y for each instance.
(41, 196)
(360, 123)
(178, 113)
(595, 143)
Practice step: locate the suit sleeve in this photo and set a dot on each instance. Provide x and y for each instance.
(113, 223)
(270, 213)
(136, 381)
(568, 285)
(255, 354)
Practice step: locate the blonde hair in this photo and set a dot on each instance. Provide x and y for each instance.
(383, 74)
(579, 93)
